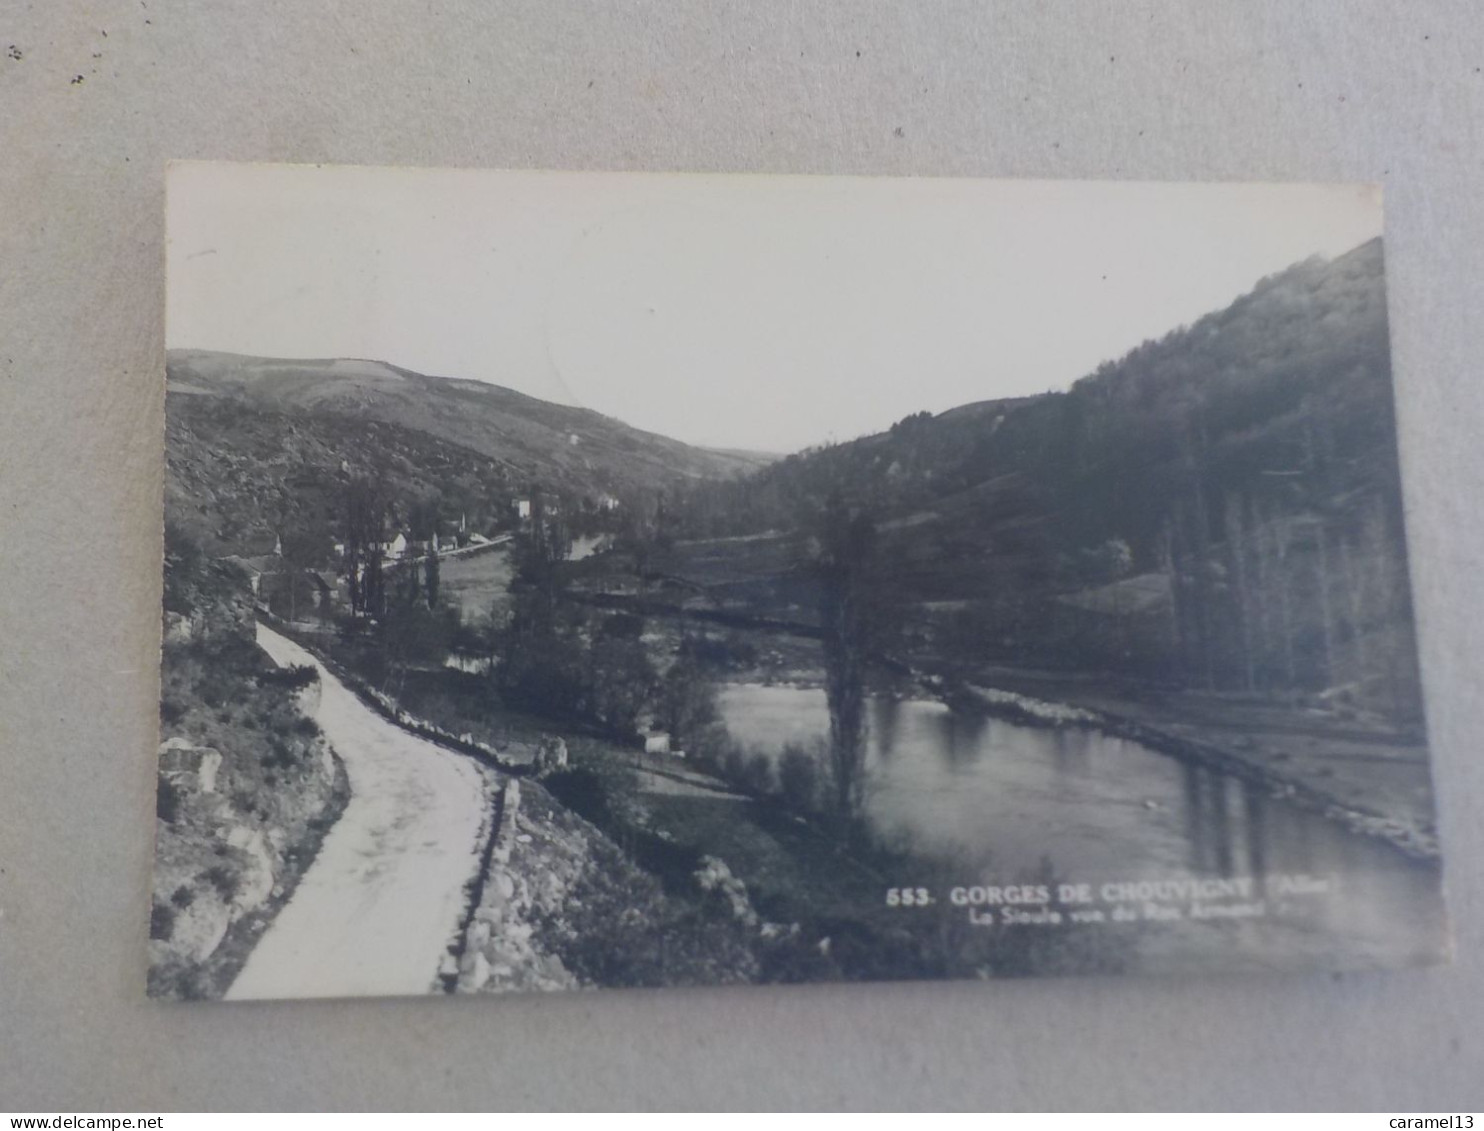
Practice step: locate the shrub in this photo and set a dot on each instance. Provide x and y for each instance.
(620, 680)
(622, 626)
(216, 688)
(281, 755)
(295, 678)
(224, 880)
(167, 801)
(182, 897)
(183, 567)
(757, 773)
(411, 633)
(732, 763)
(687, 702)
(161, 922)
(799, 778)
(733, 651)
(542, 673)
(708, 745)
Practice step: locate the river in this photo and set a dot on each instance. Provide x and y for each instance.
(986, 801)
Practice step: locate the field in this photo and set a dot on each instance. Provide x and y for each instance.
(477, 582)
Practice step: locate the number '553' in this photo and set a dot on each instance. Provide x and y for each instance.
(908, 897)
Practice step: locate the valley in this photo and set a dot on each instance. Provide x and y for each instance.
(1155, 623)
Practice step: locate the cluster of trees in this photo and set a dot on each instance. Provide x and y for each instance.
(554, 658)
(396, 607)
(839, 558)
(1306, 590)
(366, 525)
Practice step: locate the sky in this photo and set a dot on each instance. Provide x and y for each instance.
(761, 312)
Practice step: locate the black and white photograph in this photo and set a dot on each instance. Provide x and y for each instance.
(608, 580)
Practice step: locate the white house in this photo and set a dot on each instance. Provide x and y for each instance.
(397, 547)
(522, 508)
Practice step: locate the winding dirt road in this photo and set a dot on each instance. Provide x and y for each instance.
(376, 910)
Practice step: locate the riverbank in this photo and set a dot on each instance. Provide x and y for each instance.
(1331, 757)
(1373, 779)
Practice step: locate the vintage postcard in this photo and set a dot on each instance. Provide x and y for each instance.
(601, 580)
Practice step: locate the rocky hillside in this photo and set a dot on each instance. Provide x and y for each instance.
(247, 786)
(238, 474)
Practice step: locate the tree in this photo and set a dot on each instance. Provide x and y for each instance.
(798, 777)
(621, 680)
(540, 663)
(305, 547)
(363, 522)
(184, 562)
(411, 633)
(422, 519)
(537, 555)
(636, 537)
(853, 615)
(432, 577)
(686, 705)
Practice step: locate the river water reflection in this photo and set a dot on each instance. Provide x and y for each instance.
(990, 802)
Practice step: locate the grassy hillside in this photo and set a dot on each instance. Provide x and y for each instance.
(564, 448)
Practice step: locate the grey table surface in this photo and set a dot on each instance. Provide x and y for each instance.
(94, 98)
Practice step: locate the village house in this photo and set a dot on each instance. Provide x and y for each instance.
(262, 556)
(326, 594)
(659, 742)
(450, 535)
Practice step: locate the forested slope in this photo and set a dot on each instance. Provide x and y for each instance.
(1221, 506)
